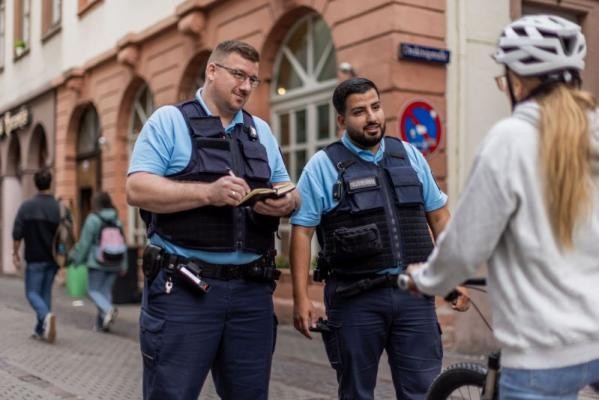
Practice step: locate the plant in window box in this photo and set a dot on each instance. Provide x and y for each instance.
(20, 47)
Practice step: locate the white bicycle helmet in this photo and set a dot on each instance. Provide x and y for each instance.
(538, 45)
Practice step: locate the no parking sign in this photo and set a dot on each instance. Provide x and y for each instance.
(419, 124)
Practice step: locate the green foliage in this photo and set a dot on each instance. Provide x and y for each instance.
(281, 262)
(20, 44)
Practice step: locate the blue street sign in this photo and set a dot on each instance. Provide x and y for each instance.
(415, 52)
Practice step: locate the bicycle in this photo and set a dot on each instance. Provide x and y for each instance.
(467, 380)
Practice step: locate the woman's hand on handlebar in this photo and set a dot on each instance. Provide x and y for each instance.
(460, 299)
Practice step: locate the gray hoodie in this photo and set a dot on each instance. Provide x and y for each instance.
(545, 300)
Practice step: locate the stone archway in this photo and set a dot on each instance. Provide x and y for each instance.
(34, 158)
(136, 107)
(12, 198)
(298, 65)
(88, 160)
(38, 149)
(194, 75)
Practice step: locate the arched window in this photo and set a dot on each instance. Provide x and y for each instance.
(194, 76)
(13, 166)
(89, 160)
(142, 108)
(38, 149)
(304, 79)
(89, 133)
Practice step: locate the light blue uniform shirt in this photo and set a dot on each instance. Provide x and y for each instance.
(319, 176)
(164, 148)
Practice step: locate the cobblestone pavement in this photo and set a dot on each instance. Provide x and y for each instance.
(88, 365)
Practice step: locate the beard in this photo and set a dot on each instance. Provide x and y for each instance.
(362, 139)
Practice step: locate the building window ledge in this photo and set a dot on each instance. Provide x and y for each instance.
(53, 30)
(86, 5)
(20, 53)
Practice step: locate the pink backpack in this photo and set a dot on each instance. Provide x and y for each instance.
(111, 243)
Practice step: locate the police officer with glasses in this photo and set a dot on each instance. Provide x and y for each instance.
(210, 272)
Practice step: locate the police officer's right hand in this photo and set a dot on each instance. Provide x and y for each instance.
(303, 316)
(228, 191)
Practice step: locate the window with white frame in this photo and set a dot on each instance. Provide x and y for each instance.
(51, 16)
(56, 12)
(26, 21)
(2, 32)
(22, 27)
(304, 78)
(142, 107)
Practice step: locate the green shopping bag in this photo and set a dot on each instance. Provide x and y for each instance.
(77, 280)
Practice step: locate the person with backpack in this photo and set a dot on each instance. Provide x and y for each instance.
(103, 249)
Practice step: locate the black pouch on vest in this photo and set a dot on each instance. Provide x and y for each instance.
(357, 242)
(151, 261)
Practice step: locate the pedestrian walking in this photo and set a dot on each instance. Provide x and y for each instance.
(36, 224)
(371, 199)
(210, 271)
(101, 247)
(530, 209)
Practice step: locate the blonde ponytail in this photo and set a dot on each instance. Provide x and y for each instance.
(565, 153)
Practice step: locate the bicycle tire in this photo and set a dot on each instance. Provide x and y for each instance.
(457, 380)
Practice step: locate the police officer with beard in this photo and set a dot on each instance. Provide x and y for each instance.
(371, 200)
(207, 303)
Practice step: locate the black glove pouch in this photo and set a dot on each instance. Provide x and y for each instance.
(357, 242)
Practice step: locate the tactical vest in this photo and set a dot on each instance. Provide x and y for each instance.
(214, 154)
(380, 220)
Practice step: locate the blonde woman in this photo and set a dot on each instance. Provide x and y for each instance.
(531, 210)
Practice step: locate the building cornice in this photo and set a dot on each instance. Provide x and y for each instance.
(189, 18)
(28, 96)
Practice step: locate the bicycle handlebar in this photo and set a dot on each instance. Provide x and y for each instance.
(474, 282)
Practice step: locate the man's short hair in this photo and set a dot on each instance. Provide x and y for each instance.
(42, 179)
(227, 47)
(349, 87)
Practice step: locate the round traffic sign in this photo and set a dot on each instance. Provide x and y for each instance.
(419, 124)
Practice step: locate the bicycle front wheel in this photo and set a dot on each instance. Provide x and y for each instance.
(459, 381)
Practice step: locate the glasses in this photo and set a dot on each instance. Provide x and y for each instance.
(240, 76)
(501, 81)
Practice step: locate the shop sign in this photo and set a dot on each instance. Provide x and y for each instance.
(415, 52)
(10, 122)
(420, 125)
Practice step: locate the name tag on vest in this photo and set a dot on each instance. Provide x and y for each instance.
(363, 183)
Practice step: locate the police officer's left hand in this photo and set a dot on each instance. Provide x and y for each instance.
(278, 207)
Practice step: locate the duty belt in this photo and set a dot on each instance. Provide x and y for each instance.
(261, 269)
(353, 288)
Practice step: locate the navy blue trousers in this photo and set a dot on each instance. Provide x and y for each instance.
(389, 319)
(184, 334)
